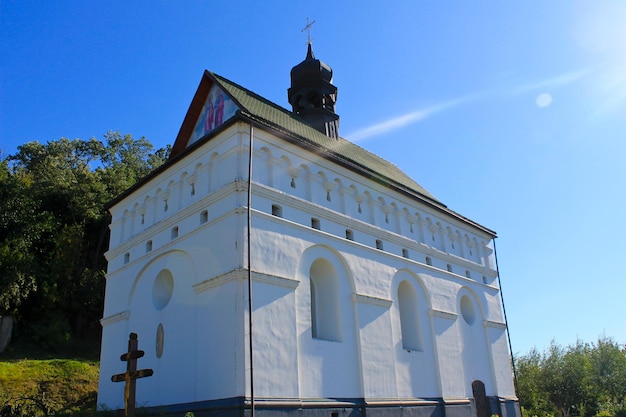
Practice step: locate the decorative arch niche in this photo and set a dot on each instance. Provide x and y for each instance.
(325, 304)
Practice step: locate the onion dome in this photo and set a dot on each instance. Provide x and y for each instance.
(312, 94)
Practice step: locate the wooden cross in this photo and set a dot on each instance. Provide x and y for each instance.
(308, 30)
(131, 374)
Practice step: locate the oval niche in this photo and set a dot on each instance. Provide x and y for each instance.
(162, 289)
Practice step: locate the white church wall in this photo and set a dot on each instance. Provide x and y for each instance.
(378, 365)
(220, 337)
(327, 368)
(416, 370)
(348, 191)
(215, 166)
(275, 337)
(449, 362)
(501, 360)
(473, 342)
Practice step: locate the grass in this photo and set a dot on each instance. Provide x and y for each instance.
(35, 382)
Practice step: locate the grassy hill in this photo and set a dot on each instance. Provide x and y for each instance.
(38, 383)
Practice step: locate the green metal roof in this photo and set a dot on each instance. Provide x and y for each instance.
(272, 115)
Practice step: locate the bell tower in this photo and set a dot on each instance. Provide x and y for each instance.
(312, 94)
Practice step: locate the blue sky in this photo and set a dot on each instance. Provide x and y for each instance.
(512, 114)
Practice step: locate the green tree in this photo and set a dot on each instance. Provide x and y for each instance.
(608, 361)
(55, 224)
(533, 398)
(566, 378)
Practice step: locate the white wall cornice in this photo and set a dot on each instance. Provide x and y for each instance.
(375, 301)
(442, 314)
(242, 274)
(114, 318)
(494, 324)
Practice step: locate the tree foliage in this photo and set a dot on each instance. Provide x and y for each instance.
(54, 224)
(582, 379)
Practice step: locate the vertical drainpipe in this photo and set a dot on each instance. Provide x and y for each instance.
(506, 322)
(250, 273)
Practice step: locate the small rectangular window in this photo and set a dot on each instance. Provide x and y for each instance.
(467, 273)
(349, 234)
(148, 246)
(126, 257)
(379, 244)
(204, 216)
(429, 261)
(277, 210)
(315, 223)
(449, 267)
(405, 253)
(174, 232)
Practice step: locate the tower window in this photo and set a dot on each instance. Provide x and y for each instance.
(204, 216)
(293, 182)
(429, 261)
(174, 233)
(349, 234)
(277, 210)
(379, 244)
(315, 223)
(467, 273)
(449, 267)
(193, 189)
(405, 253)
(148, 246)
(126, 257)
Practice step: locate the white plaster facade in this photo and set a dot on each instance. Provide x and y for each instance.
(404, 307)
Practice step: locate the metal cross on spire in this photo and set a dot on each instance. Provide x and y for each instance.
(308, 30)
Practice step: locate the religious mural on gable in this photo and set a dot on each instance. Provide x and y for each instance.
(216, 110)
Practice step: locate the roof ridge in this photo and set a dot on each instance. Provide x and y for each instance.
(340, 147)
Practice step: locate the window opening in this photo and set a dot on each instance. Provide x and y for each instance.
(349, 234)
(277, 210)
(405, 253)
(174, 234)
(315, 223)
(204, 216)
(379, 244)
(148, 246)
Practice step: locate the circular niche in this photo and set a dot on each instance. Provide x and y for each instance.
(162, 289)
(467, 310)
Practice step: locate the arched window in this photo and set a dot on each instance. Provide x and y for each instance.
(409, 317)
(325, 306)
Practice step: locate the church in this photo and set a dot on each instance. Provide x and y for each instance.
(273, 267)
